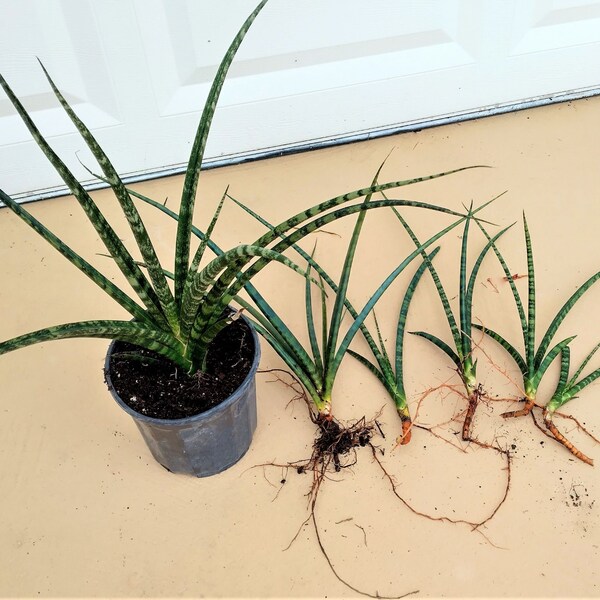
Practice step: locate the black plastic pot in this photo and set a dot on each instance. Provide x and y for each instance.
(204, 444)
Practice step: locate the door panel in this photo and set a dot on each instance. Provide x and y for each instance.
(309, 71)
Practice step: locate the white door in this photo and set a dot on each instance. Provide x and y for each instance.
(309, 72)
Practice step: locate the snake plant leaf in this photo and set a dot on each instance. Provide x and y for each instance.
(392, 381)
(283, 347)
(326, 278)
(313, 392)
(337, 315)
(561, 396)
(383, 371)
(324, 319)
(384, 352)
(534, 364)
(312, 263)
(193, 311)
(583, 365)
(565, 365)
(567, 389)
(338, 307)
(576, 388)
(293, 222)
(267, 321)
(205, 241)
(323, 220)
(290, 360)
(280, 331)
(548, 359)
(383, 287)
(530, 346)
(265, 317)
(130, 211)
(436, 280)
(514, 353)
(465, 318)
(296, 220)
(241, 279)
(216, 300)
(167, 211)
(127, 331)
(114, 245)
(207, 236)
(513, 285)
(443, 346)
(560, 316)
(280, 336)
(467, 326)
(332, 203)
(310, 321)
(370, 366)
(403, 315)
(211, 288)
(461, 337)
(100, 280)
(190, 184)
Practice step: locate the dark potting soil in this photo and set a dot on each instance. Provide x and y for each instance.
(334, 441)
(156, 387)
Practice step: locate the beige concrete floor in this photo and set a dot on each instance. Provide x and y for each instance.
(86, 511)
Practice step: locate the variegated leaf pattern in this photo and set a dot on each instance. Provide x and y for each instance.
(126, 331)
(194, 166)
(108, 236)
(103, 282)
(130, 211)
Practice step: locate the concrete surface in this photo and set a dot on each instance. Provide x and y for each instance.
(87, 513)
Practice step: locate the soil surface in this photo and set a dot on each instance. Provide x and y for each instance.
(156, 387)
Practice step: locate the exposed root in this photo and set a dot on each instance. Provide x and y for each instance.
(477, 396)
(529, 405)
(477, 344)
(544, 431)
(555, 434)
(523, 412)
(474, 398)
(432, 431)
(406, 434)
(472, 524)
(335, 443)
(334, 449)
(503, 451)
(295, 385)
(330, 563)
(558, 436)
(579, 426)
(451, 389)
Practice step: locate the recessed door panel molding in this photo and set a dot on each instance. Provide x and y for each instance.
(538, 24)
(308, 72)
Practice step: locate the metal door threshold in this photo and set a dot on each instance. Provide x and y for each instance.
(327, 142)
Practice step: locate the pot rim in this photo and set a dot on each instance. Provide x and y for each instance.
(200, 416)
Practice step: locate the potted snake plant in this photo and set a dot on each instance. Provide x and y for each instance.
(184, 331)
